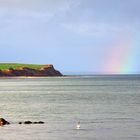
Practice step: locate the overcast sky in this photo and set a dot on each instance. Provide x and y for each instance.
(99, 36)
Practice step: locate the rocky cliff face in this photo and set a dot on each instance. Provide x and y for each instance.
(25, 71)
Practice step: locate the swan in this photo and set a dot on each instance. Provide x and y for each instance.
(78, 125)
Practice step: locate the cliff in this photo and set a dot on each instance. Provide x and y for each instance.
(45, 71)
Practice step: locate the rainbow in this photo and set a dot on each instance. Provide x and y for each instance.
(119, 58)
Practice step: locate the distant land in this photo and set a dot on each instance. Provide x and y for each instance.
(27, 70)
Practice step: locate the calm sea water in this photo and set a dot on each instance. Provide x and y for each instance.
(108, 108)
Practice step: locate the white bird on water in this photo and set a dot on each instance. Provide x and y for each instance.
(78, 125)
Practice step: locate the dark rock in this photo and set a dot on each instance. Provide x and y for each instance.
(40, 122)
(3, 122)
(27, 122)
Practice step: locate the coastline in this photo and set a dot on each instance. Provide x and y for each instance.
(28, 77)
(44, 71)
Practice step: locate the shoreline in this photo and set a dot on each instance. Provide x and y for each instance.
(66, 76)
(28, 77)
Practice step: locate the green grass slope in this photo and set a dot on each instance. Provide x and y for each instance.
(4, 66)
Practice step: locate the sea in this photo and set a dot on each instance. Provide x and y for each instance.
(107, 107)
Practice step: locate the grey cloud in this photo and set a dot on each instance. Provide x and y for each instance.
(34, 9)
(114, 9)
(39, 5)
(108, 9)
(104, 17)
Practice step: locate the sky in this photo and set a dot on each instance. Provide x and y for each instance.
(88, 36)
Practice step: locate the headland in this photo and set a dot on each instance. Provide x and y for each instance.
(27, 70)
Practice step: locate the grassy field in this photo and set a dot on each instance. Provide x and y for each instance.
(4, 66)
